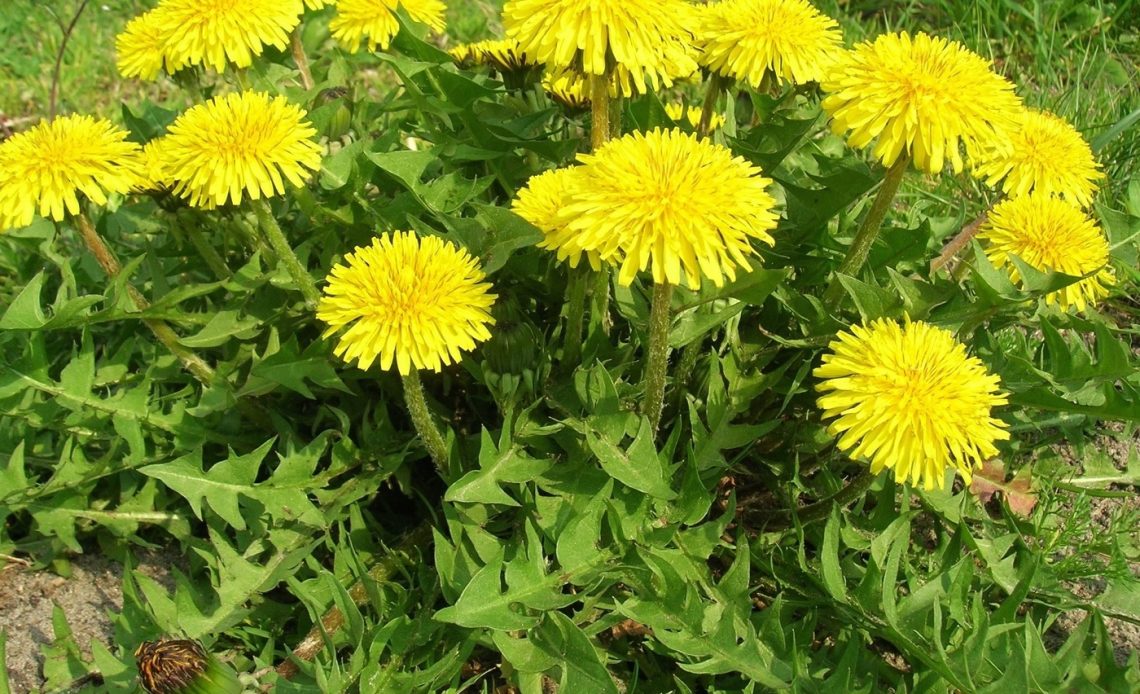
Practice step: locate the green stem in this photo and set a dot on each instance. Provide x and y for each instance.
(600, 295)
(241, 225)
(409, 549)
(301, 59)
(686, 363)
(658, 358)
(429, 434)
(868, 230)
(575, 315)
(716, 86)
(205, 249)
(163, 332)
(615, 116)
(600, 109)
(285, 253)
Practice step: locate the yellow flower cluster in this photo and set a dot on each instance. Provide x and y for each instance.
(905, 396)
(1049, 174)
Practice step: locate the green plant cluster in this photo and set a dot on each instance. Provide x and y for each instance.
(569, 546)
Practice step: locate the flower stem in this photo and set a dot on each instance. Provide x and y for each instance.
(415, 541)
(868, 230)
(615, 116)
(249, 236)
(575, 315)
(417, 407)
(163, 332)
(300, 58)
(605, 123)
(599, 109)
(658, 358)
(716, 86)
(952, 249)
(205, 249)
(685, 364)
(600, 303)
(285, 253)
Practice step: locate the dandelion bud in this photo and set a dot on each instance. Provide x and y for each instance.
(182, 666)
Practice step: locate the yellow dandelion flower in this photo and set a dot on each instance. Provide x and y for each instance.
(415, 302)
(1048, 156)
(375, 20)
(909, 398)
(47, 167)
(922, 95)
(214, 32)
(141, 47)
(743, 39)
(317, 4)
(664, 200)
(539, 203)
(678, 113)
(649, 38)
(504, 55)
(1050, 234)
(242, 142)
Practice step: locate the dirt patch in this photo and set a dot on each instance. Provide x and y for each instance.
(1125, 634)
(93, 591)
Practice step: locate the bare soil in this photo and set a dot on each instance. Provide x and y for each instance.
(87, 598)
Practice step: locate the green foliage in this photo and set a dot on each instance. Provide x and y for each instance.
(569, 544)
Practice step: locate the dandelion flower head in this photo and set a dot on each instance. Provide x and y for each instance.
(375, 20)
(416, 303)
(665, 201)
(567, 88)
(141, 47)
(539, 203)
(649, 38)
(216, 32)
(1048, 156)
(744, 39)
(245, 143)
(46, 168)
(1050, 234)
(910, 399)
(920, 95)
